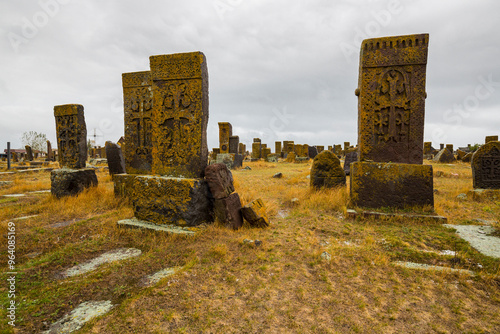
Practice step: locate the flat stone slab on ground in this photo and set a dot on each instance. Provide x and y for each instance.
(111, 256)
(365, 214)
(14, 195)
(477, 237)
(75, 320)
(412, 265)
(137, 223)
(25, 217)
(156, 277)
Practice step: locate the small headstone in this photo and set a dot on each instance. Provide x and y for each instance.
(486, 166)
(290, 157)
(50, 154)
(238, 161)
(255, 213)
(234, 142)
(450, 148)
(15, 157)
(326, 171)
(444, 156)
(346, 145)
(490, 138)
(242, 149)
(350, 157)
(265, 153)
(225, 132)
(427, 147)
(115, 160)
(29, 153)
(220, 180)
(70, 182)
(71, 133)
(228, 211)
(312, 152)
(277, 147)
(225, 158)
(256, 150)
(320, 149)
(441, 146)
(461, 154)
(272, 158)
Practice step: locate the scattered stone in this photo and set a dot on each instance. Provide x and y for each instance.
(114, 157)
(70, 182)
(220, 180)
(444, 156)
(228, 211)
(412, 265)
(80, 316)
(247, 168)
(326, 256)
(326, 171)
(255, 213)
(25, 217)
(486, 166)
(255, 242)
(168, 228)
(462, 196)
(111, 256)
(478, 237)
(278, 175)
(14, 195)
(482, 194)
(156, 277)
(295, 201)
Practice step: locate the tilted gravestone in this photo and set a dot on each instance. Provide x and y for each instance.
(391, 101)
(234, 142)
(225, 132)
(71, 132)
(138, 109)
(486, 166)
(114, 156)
(444, 156)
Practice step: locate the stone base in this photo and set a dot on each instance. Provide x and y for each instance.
(353, 214)
(70, 182)
(136, 223)
(482, 194)
(376, 185)
(167, 200)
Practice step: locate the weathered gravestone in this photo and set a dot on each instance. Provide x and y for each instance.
(225, 132)
(138, 109)
(337, 149)
(346, 146)
(277, 148)
(114, 156)
(288, 146)
(265, 152)
(215, 152)
(391, 100)
(450, 148)
(242, 148)
(234, 142)
(71, 133)
(350, 157)
(486, 166)
(312, 152)
(29, 153)
(326, 171)
(427, 147)
(490, 138)
(256, 150)
(50, 154)
(15, 158)
(444, 156)
(320, 148)
(255, 213)
(177, 194)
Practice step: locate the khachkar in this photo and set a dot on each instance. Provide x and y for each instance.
(138, 108)
(391, 105)
(71, 132)
(486, 166)
(176, 193)
(225, 132)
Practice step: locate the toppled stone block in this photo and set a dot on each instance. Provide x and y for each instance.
(228, 211)
(167, 200)
(255, 213)
(70, 182)
(220, 180)
(375, 185)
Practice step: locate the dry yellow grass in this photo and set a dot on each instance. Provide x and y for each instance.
(283, 286)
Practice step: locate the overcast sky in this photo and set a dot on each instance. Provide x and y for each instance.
(278, 69)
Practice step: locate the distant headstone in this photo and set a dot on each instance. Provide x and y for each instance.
(288, 146)
(215, 153)
(350, 157)
(290, 157)
(392, 99)
(29, 153)
(234, 142)
(15, 157)
(467, 157)
(265, 153)
(461, 154)
(238, 161)
(490, 138)
(312, 152)
(138, 110)
(441, 146)
(225, 132)
(242, 149)
(277, 147)
(71, 133)
(180, 114)
(427, 147)
(257, 140)
(50, 154)
(444, 156)
(326, 171)
(320, 149)
(486, 166)
(450, 148)
(346, 145)
(114, 156)
(337, 149)
(256, 150)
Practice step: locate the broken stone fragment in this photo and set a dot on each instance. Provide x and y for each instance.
(220, 180)
(255, 213)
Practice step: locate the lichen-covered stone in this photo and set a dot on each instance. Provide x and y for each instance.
(288, 146)
(50, 154)
(226, 159)
(265, 152)
(114, 156)
(320, 148)
(255, 213)
(220, 180)
(376, 185)
(461, 154)
(391, 99)
(29, 153)
(167, 200)
(238, 161)
(234, 142)
(242, 148)
(70, 182)
(337, 149)
(277, 147)
(467, 157)
(180, 114)
(225, 131)
(490, 138)
(312, 152)
(228, 211)
(444, 156)
(290, 157)
(486, 166)
(350, 157)
(450, 148)
(71, 132)
(272, 158)
(427, 147)
(138, 110)
(256, 150)
(257, 140)
(326, 171)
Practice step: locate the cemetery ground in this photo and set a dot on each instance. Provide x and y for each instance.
(314, 271)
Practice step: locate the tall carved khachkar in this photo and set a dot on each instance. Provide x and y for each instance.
(170, 122)
(138, 108)
(180, 114)
(225, 132)
(71, 133)
(391, 106)
(486, 166)
(391, 100)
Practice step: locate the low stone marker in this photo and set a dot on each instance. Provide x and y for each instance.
(255, 213)
(444, 156)
(326, 171)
